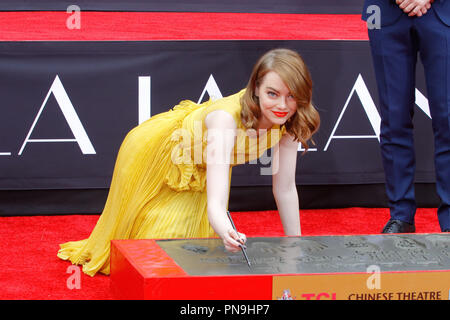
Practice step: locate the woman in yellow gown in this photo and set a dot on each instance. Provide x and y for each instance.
(172, 174)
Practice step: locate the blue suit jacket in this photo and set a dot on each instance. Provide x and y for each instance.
(390, 11)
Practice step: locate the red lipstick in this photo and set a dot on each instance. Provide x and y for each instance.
(280, 114)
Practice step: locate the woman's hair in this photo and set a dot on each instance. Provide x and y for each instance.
(292, 70)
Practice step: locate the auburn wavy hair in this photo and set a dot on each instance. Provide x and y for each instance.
(291, 68)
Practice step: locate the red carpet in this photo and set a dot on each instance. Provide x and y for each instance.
(30, 269)
(140, 26)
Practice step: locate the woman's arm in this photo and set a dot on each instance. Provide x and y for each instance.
(220, 143)
(284, 186)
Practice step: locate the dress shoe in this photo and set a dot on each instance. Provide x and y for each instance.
(397, 226)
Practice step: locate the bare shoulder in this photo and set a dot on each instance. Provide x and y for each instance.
(220, 119)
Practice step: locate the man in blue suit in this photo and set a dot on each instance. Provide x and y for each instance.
(402, 30)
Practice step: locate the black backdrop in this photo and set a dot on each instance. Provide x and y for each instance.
(101, 82)
(66, 106)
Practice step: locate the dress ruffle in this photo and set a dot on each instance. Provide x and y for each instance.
(186, 172)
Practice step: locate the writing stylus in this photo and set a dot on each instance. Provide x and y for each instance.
(240, 245)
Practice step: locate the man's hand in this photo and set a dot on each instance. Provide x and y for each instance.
(415, 7)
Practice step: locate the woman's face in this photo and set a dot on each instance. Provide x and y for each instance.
(275, 100)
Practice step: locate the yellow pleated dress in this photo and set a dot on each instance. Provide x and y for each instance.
(158, 188)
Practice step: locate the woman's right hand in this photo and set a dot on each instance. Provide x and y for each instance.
(233, 240)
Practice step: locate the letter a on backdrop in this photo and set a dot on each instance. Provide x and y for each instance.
(71, 117)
